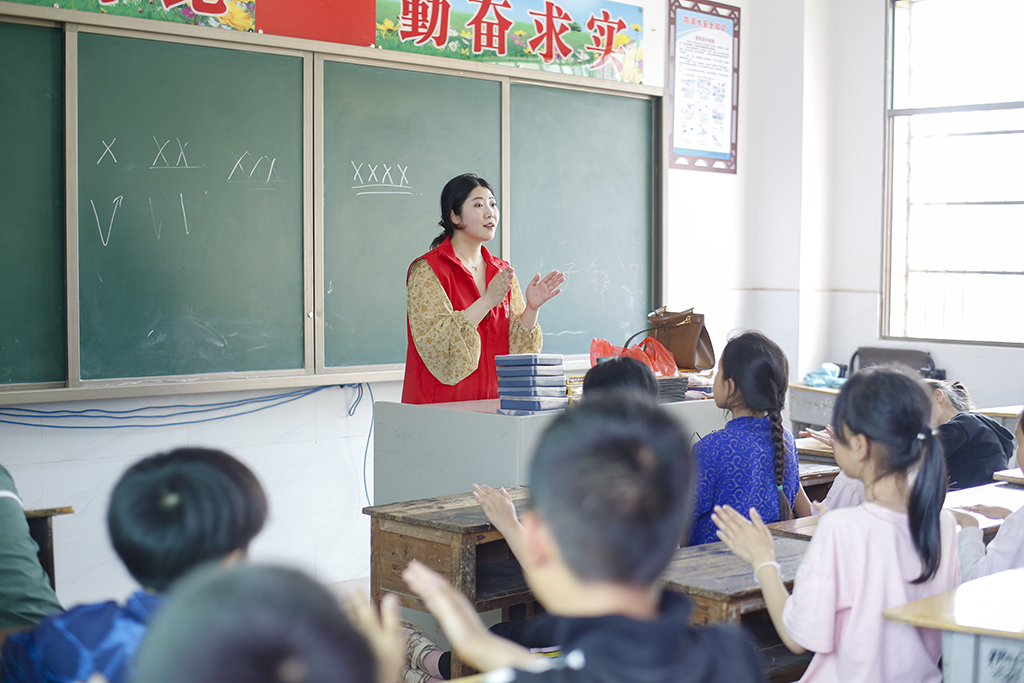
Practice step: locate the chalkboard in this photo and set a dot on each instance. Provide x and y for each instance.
(581, 203)
(189, 208)
(32, 303)
(392, 139)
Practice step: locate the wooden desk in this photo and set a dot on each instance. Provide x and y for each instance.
(817, 478)
(801, 528)
(1000, 494)
(814, 450)
(1007, 415)
(982, 624)
(451, 535)
(40, 528)
(722, 589)
(1014, 475)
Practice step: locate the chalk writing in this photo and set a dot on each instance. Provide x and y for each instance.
(385, 184)
(107, 151)
(241, 173)
(181, 162)
(105, 239)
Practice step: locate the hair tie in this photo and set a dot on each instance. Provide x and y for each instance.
(779, 488)
(924, 433)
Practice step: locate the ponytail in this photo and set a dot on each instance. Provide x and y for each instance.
(926, 498)
(779, 445)
(894, 412)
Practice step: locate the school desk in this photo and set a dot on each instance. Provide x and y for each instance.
(722, 589)
(999, 494)
(801, 528)
(810, 405)
(451, 535)
(1006, 415)
(817, 478)
(444, 448)
(810, 449)
(1014, 475)
(40, 528)
(982, 624)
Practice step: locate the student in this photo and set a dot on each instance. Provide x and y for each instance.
(621, 372)
(167, 514)
(26, 596)
(753, 461)
(465, 306)
(976, 446)
(845, 492)
(610, 494)
(896, 547)
(1006, 551)
(256, 624)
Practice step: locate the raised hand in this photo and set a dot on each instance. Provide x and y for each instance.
(383, 632)
(748, 540)
(498, 287)
(827, 436)
(541, 290)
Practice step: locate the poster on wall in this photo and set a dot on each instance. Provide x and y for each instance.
(703, 85)
(591, 38)
(230, 14)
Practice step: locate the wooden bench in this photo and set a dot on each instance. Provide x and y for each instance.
(40, 527)
(982, 624)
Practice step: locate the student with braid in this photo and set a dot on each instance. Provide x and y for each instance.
(752, 463)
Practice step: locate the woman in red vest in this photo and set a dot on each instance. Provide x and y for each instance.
(465, 306)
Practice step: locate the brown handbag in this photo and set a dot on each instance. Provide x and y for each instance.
(684, 335)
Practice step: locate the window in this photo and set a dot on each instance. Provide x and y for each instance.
(955, 257)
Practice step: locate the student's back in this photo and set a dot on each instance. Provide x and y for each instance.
(168, 514)
(610, 495)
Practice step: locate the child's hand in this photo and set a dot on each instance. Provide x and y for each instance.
(827, 437)
(383, 633)
(748, 540)
(990, 511)
(964, 519)
(460, 621)
(498, 507)
(821, 508)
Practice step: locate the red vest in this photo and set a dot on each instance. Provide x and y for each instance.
(420, 385)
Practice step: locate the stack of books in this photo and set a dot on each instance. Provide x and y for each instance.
(531, 382)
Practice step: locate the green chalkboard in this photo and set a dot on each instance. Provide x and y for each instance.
(581, 203)
(32, 305)
(190, 209)
(392, 139)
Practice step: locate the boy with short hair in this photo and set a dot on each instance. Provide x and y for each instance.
(611, 490)
(167, 514)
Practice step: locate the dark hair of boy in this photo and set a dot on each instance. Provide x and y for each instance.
(894, 412)
(174, 511)
(613, 479)
(760, 369)
(252, 624)
(621, 372)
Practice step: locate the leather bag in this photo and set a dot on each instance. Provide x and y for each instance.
(684, 335)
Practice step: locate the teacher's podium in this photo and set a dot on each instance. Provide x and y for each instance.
(421, 451)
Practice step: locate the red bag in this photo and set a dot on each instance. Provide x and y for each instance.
(650, 352)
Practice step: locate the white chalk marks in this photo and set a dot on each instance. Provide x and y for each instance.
(156, 228)
(105, 239)
(161, 161)
(386, 183)
(259, 172)
(107, 150)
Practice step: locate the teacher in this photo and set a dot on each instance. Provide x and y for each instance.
(464, 305)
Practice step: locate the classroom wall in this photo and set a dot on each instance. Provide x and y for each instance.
(308, 454)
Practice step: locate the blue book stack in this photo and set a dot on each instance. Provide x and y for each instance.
(531, 382)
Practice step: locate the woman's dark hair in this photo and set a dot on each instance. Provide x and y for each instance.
(612, 478)
(174, 511)
(955, 392)
(894, 412)
(760, 370)
(621, 372)
(252, 624)
(453, 196)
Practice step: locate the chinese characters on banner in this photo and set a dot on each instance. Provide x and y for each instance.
(234, 14)
(704, 73)
(594, 38)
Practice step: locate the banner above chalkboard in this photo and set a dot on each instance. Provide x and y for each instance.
(234, 14)
(592, 38)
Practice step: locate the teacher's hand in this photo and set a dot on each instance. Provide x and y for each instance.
(541, 290)
(498, 287)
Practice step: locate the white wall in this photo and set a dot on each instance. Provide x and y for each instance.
(308, 454)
